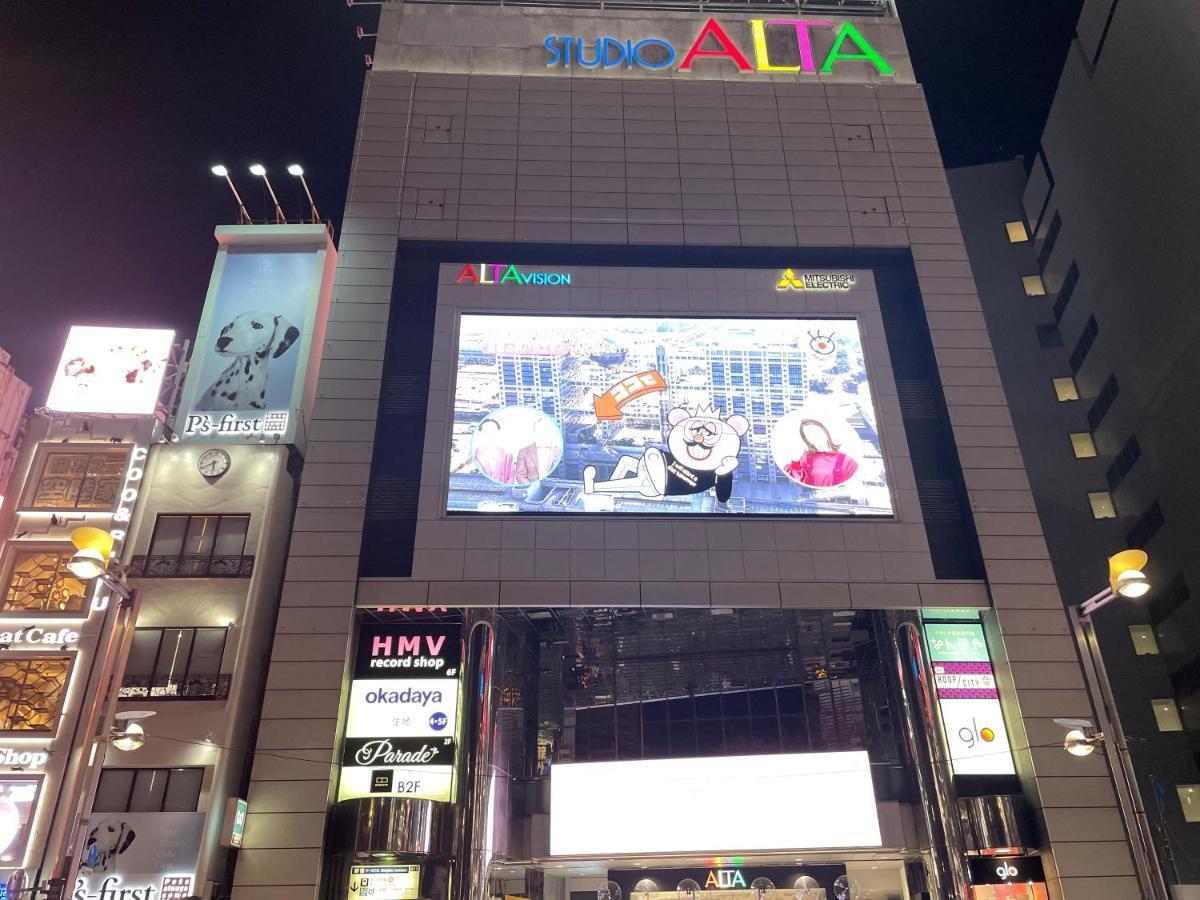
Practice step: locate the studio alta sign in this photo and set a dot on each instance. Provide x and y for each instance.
(714, 45)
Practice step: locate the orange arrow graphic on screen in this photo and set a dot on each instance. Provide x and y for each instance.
(608, 405)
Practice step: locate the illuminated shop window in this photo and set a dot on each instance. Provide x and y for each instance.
(1144, 641)
(1016, 232)
(1065, 389)
(1083, 445)
(1033, 285)
(78, 479)
(1102, 505)
(31, 693)
(39, 581)
(1189, 800)
(148, 790)
(1166, 714)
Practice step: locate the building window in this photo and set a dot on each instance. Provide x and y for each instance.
(1146, 528)
(1167, 599)
(1189, 800)
(39, 581)
(1049, 241)
(31, 693)
(1123, 462)
(78, 479)
(1065, 389)
(1048, 336)
(1084, 345)
(204, 546)
(1033, 285)
(1083, 445)
(1017, 232)
(1144, 641)
(1103, 402)
(176, 663)
(1166, 714)
(148, 790)
(1102, 505)
(1065, 292)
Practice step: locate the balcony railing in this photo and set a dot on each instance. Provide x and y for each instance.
(192, 566)
(174, 687)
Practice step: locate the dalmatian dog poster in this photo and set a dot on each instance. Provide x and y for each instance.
(664, 415)
(146, 856)
(247, 368)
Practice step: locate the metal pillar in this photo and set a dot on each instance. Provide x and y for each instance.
(1116, 752)
(481, 816)
(947, 869)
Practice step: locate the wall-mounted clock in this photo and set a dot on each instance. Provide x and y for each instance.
(213, 463)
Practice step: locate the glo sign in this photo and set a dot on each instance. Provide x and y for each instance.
(713, 44)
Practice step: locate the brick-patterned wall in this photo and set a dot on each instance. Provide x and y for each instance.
(784, 163)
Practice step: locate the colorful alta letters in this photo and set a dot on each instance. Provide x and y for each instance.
(713, 43)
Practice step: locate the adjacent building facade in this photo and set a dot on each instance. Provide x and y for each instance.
(1092, 323)
(659, 447)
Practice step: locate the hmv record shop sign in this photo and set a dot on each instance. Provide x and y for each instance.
(402, 718)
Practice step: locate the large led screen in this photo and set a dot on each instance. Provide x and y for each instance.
(110, 371)
(775, 802)
(590, 414)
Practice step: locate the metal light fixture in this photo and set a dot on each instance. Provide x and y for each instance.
(243, 214)
(259, 170)
(93, 547)
(1126, 575)
(128, 735)
(1082, 738)
(296, 170)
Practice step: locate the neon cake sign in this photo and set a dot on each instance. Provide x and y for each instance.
(505, 273)
(658, 54)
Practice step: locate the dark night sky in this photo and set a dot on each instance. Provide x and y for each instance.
(112, 112)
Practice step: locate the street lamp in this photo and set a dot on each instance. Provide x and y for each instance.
(297, 171)
(1126, 578)
(261, 171)
(243, 215)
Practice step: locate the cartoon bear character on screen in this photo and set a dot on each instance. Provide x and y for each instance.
(702, 452)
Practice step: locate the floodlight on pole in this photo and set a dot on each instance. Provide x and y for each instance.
(243, 215)
(297, 170)
(261, 171)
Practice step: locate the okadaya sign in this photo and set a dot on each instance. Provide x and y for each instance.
(778, 46)
(403, 713)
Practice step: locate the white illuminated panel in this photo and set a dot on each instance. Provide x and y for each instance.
(726, 803)
(110, 371)
(418, 707)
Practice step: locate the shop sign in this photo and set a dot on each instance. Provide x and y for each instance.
(713, 43)
(236, 810)
(724, 878)
(122, 516)
(140, 856)
(972, 720)
(36, 638)
(236, 424)
(506, 273)
(784, 880)
(818, 281)
(403, 713)
(1007, 870)
(23, 759)
(384, 883)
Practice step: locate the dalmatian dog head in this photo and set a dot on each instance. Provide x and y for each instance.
(701, 439)
(110, 838)
(257, 333)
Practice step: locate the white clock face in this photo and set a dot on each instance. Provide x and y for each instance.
(213, 463)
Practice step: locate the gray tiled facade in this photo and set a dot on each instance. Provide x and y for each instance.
(738, 162)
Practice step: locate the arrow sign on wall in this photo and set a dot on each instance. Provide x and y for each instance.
(608, 405)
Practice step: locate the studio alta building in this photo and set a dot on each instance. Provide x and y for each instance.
(662, 530)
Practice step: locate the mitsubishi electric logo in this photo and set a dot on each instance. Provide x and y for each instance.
(790, 281)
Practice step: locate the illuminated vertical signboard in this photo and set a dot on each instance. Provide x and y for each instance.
(253, 369)
(403, 713)
(967, 698)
